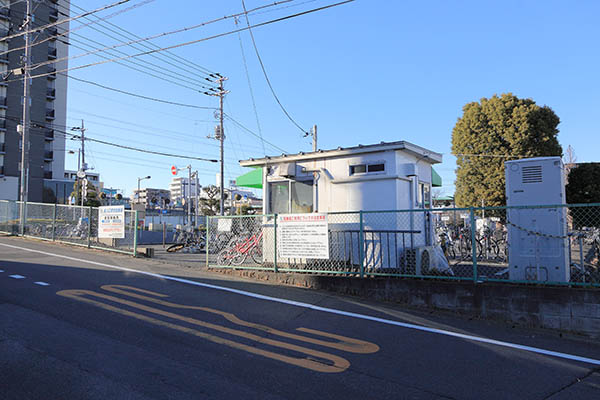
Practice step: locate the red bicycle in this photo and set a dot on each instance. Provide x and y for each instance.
(238, 251)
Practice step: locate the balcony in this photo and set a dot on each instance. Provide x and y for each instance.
(2, 148)
(49, 114)
(48, 155)
(53, 15)
(47, 174)
(2, 125)
(49, 134)
(51, 94)
(52, 72)
(51, 53)
(3, 103)
(52, 32)
(2, 171)
(4, 13)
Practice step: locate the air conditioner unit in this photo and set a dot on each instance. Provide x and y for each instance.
(537, 237)
(286, 170)
(419, 260)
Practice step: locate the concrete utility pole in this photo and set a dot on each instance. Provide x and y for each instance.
(196, 203)
(189, 193)
(83, 166)
(25, 127)
(314, 135)
(222, 142)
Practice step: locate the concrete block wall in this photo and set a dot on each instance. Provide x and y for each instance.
(573, 310)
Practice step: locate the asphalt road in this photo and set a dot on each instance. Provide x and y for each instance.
(82, 327)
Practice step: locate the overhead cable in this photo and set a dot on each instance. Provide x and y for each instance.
(62, 21)
(192, 41)
(67, 32)
(262, 66)
(160, 35)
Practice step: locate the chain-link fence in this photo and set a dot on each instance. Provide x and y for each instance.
(67, 224)
(558, 245)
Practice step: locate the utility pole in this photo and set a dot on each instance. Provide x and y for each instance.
(220, 134)
(189, 201)
(314, 135)
(83, 164)
(196, 203)
(25, 127)
(222, 142)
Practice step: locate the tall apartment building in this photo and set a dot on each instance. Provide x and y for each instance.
(48, 99)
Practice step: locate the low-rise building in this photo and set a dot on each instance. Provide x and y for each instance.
(151, 198)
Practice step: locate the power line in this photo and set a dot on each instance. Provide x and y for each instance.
(251, 91)
(66, 134)
(254, 134)
(60, 22)
(160, 35)
(192, 41)
(262, 66)
(139, 95)
(66, 32)
(149, 45)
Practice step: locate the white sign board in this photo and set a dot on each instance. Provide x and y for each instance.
(111, 222)
(445, 218)
(224, 224)
(303, 236)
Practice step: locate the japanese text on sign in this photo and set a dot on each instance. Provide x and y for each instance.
(111, 222)
(303, 236)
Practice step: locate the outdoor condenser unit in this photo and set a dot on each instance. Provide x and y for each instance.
(538, 246)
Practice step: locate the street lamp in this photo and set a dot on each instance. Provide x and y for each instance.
(139, 180)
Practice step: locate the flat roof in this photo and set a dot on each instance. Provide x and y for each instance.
(431, 156)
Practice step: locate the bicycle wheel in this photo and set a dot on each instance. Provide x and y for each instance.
(175, 247)
(256, 254)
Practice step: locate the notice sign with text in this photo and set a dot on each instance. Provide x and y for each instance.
(111, 222)
(303, 236)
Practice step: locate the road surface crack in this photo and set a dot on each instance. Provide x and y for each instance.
(575, 381)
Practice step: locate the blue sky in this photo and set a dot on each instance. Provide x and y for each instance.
(364, 72)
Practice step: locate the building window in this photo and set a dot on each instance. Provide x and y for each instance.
(291, 197)
(358, 169)
(367, 168)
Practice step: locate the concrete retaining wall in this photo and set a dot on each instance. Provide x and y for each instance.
(574, 310)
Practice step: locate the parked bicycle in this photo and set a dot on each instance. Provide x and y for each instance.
(190, 241)
(238, 250)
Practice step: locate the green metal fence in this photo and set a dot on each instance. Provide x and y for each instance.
(74, 225)
(546, 244)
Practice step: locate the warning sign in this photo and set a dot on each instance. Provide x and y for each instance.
(303, 236)
(111, 222)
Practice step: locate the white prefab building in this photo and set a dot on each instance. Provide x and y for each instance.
(384, 176)
(380, 177)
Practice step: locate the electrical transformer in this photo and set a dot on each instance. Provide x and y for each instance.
(537, 237)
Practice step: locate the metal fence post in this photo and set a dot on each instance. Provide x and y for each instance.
(54, 223)
(89, 238)
(207, 241)
(275, 244)
(473, 242)
(361, 245)
(135, 233)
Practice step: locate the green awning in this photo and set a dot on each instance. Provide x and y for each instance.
(252, 179)
(436, 179)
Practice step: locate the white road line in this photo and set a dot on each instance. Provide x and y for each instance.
(16, 276)
(329, 310)
(42, 283)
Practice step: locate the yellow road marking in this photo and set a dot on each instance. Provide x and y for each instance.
(343, 343)
(339, 364)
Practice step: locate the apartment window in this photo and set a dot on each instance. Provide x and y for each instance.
(367, 168)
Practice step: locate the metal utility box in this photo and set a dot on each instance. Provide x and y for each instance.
(537, 237)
